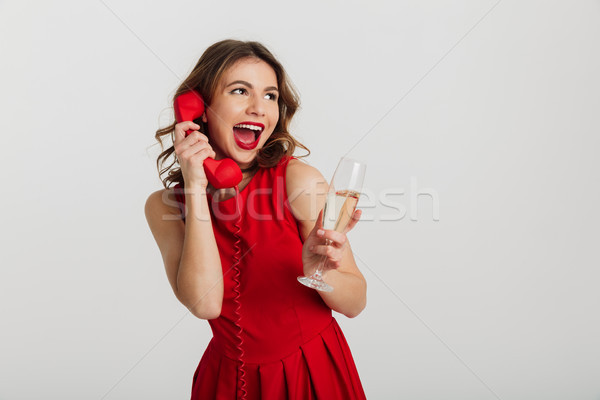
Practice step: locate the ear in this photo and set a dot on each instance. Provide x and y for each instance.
(204, 117)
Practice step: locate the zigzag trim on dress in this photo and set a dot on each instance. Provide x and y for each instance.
(236, 290)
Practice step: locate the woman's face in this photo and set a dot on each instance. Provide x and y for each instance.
(243, 111)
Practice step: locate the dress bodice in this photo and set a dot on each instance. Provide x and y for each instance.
(276, 313)
(275, 338)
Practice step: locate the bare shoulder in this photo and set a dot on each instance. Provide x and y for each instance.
(165, 222)
(306, 190)
(300, 175)
(160, 204)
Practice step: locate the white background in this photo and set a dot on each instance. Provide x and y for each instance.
(490, 107)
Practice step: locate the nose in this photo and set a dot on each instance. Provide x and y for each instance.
(255, 106)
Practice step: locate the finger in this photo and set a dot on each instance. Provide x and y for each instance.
(327, 251)
(182, 146)
(197, 136)
(195, 141)
(197, 148)
(336, 238)
(191, 139)
(202, 155)
(353, 221)
(182, 127)
(334, 256)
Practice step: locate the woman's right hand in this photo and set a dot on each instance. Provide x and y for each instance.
(191, 151)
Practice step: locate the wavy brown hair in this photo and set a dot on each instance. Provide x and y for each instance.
(205, 77)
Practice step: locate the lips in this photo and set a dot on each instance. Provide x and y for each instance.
(247, 134)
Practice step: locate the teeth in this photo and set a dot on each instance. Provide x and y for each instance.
(253, 127)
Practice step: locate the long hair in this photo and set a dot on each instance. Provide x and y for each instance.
(205, 77)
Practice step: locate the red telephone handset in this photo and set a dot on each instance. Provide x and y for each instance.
(223, 173)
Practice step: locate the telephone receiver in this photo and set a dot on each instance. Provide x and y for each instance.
(223, 173)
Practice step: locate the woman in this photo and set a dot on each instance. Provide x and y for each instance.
(233, 257)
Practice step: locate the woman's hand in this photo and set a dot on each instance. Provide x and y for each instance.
(191, 151)
(316, 248)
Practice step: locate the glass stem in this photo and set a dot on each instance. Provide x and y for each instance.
(318, 274)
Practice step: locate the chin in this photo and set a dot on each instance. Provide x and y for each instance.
(245, 159)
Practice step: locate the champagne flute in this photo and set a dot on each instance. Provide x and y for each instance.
(342, 198)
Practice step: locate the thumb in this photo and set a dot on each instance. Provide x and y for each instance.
(318, 224)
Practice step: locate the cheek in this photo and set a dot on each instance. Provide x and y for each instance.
(217, 118)
(215, 130)
(275, 116)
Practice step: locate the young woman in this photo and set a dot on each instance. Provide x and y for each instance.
(232, 257)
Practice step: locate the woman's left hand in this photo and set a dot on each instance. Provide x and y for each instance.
(315, 246)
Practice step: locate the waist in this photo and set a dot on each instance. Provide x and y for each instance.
(266, 338)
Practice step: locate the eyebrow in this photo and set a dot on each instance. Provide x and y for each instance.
(238, 82)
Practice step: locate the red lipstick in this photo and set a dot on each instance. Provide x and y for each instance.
(247, 134)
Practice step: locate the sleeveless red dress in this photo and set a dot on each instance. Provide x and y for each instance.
(275, 338)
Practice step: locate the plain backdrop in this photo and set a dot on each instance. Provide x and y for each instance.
(479, 122)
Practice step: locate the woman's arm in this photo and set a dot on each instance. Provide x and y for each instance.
(307, 193)
(189, 251)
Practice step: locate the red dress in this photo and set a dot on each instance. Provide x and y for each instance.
(275, 338)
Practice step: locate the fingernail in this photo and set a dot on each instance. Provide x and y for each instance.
(320, 232)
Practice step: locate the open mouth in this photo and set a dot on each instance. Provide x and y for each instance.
(247, 134)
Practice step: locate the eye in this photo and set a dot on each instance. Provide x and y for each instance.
(239, 91)
(271, 96)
